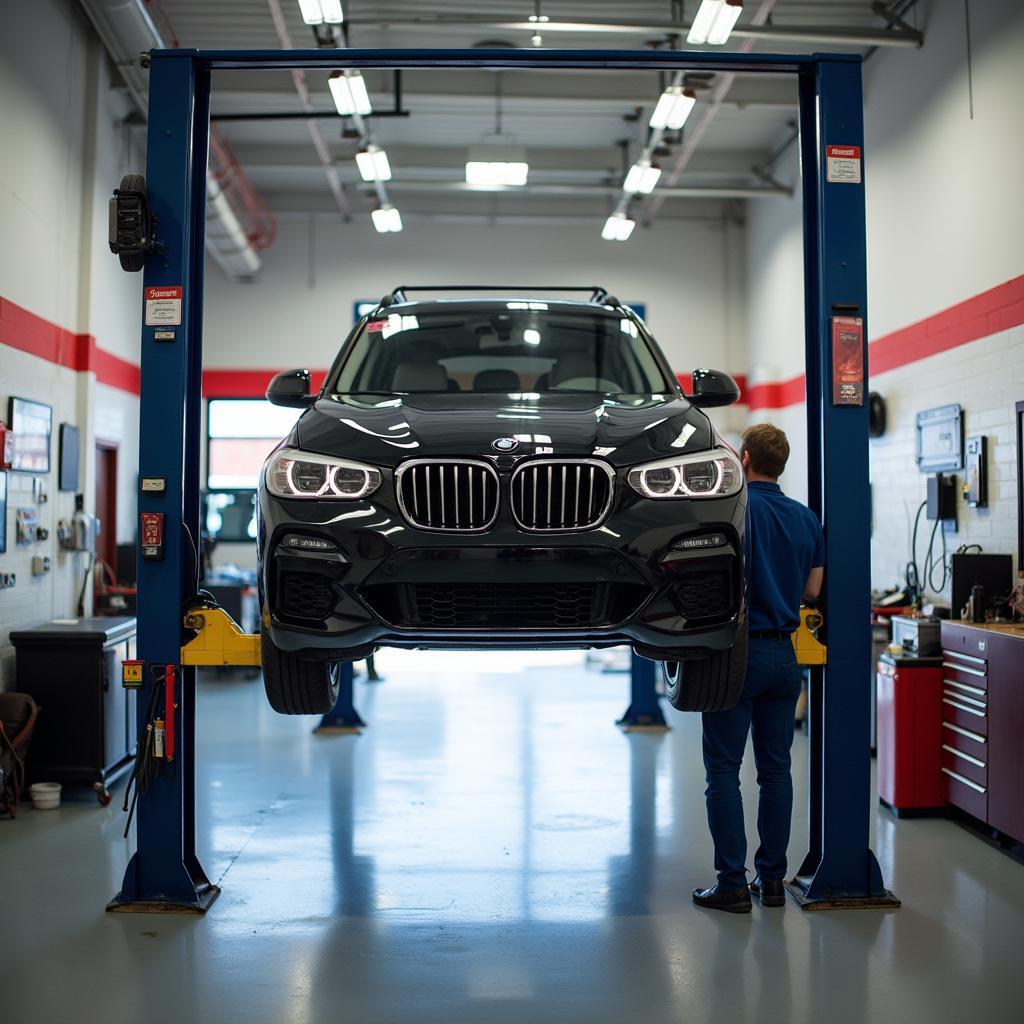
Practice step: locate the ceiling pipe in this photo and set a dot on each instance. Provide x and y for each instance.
(126, 30)
(852, 36)
(566, 189)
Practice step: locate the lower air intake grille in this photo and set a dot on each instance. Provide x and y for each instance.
(454, 495)
(706, 595)
(562, 495)
(305, 595)
(504, 605)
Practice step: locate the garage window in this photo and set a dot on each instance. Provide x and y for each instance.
(241, 433)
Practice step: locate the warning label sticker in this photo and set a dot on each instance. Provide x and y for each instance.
(163, 307)
(842, 164)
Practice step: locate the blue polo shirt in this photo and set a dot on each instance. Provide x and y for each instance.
(786, 543)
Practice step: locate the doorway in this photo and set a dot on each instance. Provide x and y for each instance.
(106, 502)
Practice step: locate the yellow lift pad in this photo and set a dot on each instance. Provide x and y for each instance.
(219, 640)
(809, 649)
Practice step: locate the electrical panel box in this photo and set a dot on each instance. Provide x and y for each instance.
(940, 439)
(941, 497)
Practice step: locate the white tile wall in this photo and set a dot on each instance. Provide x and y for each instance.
(987, 378)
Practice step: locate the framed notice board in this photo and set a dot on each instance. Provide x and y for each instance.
(31, 423)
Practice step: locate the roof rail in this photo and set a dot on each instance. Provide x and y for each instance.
(399, 294)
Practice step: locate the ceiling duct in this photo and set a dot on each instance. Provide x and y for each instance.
(238, 224)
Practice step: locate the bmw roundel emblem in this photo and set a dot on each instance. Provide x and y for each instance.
(505, 444)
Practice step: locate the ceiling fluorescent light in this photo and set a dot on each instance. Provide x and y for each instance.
(387, 218)
(331, 10)
(495, 173)
(316, 12)
(311, 13)
(714, 21)
(349, 92)
(373, 164)
(673, 108)
(727, 18)
(617, 228)
(496, 166)
(642, 177)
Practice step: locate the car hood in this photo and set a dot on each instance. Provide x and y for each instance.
(386, 430)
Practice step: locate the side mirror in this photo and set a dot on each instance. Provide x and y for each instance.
(712, 388)
(290, 389)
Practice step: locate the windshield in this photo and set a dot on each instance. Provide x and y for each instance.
(516, 348)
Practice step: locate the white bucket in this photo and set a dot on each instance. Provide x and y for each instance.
(45, 795)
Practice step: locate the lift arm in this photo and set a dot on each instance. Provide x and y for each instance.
(809, 649)
(219, 640)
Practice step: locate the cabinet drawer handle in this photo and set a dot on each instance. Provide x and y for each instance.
(966, 757)
(960, 778)
(964, 686)
(967, 700)
(964, 732)
(963, 707)
(964, 668)
(965, 657)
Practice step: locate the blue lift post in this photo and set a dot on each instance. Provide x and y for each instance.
(840, 869)
(644, 711)
(343, 717)
(164, 874)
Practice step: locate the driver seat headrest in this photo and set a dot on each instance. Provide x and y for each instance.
(420, 376)
(570, 366)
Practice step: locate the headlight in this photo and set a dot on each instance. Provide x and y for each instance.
(713, 474)
(294, 474)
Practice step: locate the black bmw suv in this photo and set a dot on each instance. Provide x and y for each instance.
(502, 473)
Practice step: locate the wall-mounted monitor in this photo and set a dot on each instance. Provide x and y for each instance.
(31, 424)
(940, 439)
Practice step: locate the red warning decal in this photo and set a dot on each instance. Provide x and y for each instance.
(376, 325)
(163, 306)
(842, 165)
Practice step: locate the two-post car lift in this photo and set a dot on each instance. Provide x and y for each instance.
(164, 874)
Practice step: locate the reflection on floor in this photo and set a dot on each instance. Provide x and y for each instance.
(491, 849)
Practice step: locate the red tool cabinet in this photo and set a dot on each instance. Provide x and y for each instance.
(910, 734)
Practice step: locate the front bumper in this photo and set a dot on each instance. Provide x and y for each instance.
(393, 585)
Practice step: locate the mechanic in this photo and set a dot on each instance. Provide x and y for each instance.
(787, 555)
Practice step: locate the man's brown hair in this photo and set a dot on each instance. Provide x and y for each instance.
(768, 448)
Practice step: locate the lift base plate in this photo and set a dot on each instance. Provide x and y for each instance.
(797, 888)
(204, 901)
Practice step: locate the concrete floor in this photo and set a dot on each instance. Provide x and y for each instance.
(491, 849)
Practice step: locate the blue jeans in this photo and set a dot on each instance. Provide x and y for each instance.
(767, 709)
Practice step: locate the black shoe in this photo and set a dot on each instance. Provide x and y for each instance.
(732, 901)
(769, 891)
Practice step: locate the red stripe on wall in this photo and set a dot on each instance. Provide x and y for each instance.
(777, 394)
(998, 309)
(29, 333)
(23, 330)
(226, 383)
(116, 372)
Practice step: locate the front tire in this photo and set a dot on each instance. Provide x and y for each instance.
(714, 683)
(294, 686)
